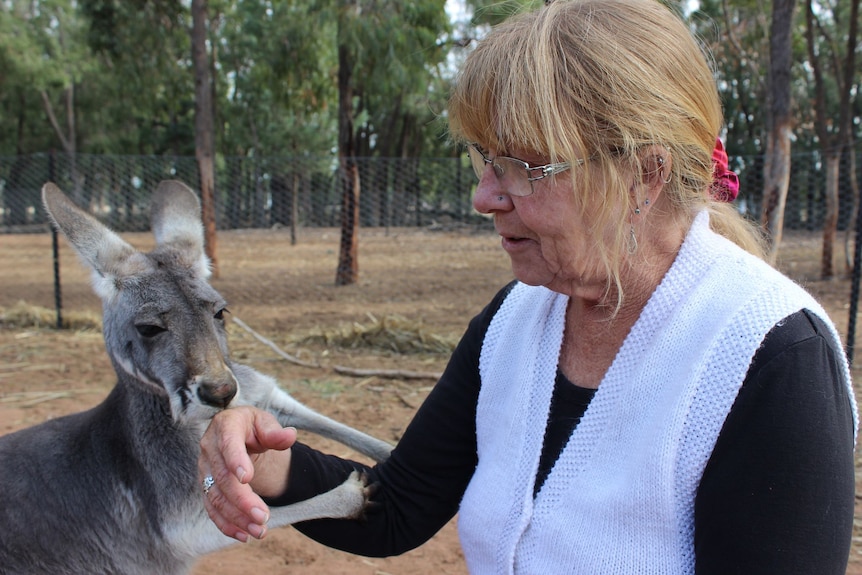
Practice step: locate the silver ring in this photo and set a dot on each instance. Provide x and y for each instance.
(207, 483)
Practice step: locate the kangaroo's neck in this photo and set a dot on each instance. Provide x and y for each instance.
(142, 421)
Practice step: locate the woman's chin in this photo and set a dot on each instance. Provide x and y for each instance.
(531, 276)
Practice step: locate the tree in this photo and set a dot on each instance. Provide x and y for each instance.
(780, 121)
(386, 51)
(55, 63)
(741, 70)
(204, 145)
(143, 99)
(835, 134)
(347, 271)
(31, 63)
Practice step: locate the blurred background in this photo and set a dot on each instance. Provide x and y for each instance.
(332, 113)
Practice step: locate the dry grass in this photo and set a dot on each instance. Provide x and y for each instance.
(394, 334)
(416, 293)
(23, 315)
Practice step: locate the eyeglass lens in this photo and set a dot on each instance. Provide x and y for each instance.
(511, 173)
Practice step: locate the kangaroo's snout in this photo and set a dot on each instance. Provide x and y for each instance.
(217, 392)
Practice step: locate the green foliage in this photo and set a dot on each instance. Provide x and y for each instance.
(737, 34)
(277, 79)
(492, 12)
(275, 68)
(397, 53)
(40, 52)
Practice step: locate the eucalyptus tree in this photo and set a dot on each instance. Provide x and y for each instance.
(777, 165)
(278, 79)
(753, 46)
(400, 83)
(385, 48)
(402, 102)
(20, 109)
(147, 90)
(492, 12)
(45, 66)
(54, 62)
(736, 37)
(204, 120)
(831, 32)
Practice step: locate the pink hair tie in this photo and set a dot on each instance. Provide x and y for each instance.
(725, 183)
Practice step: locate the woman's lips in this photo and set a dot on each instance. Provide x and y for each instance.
(512, 243)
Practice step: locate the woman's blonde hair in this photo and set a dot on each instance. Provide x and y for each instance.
(603, 79)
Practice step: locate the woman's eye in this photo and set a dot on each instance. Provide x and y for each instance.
(149, 330)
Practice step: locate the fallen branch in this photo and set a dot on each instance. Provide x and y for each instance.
(31, 398)
(386, 373)
(272, 345)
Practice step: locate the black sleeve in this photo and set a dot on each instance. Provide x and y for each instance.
(419, 488)
(777, 494)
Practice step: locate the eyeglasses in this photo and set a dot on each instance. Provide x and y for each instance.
(516, 176)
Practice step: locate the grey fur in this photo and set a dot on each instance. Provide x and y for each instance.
(115, 489)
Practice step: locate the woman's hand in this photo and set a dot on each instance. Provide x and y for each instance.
(246, 452)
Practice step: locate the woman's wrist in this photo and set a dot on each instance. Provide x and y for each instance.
(271, 471)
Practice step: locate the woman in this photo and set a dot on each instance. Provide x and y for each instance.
(649, 396)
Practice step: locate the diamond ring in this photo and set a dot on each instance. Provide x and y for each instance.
(208, 482)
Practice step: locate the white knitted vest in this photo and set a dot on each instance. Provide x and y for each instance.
(620, 498)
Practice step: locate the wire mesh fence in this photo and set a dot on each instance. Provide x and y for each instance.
(250, 192)
(305, 191)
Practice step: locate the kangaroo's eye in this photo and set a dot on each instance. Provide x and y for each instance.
(149, 330)
(219, 315)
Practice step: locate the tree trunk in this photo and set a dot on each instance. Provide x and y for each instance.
(832, 143)
(830, 220)
(854, 205)
(348, 264)
(776, 181)
(846, 119)
(776, 178)
(204, 145)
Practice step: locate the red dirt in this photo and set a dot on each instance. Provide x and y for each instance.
(436, 280)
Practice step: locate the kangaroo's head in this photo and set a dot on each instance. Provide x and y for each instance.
(163, 322)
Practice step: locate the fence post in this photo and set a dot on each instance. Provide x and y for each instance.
(854, 286)
(55, 247)
(58, 295)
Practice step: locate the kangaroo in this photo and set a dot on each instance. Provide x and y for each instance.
(114, 489)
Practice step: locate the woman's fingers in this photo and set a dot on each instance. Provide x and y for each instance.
(230, 452)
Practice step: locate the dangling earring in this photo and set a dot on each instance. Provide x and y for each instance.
(660, 162)
(633, 240)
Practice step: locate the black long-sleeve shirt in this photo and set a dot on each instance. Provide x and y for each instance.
(777, 494)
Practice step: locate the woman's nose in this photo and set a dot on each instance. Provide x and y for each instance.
(490, 196)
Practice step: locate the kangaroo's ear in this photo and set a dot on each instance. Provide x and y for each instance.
(175, 218)
(109, 257)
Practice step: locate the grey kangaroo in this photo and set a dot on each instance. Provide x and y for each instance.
(115, 489)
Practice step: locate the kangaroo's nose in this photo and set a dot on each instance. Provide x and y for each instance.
(217, 393)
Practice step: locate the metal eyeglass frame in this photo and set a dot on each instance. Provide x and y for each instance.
(499, 170)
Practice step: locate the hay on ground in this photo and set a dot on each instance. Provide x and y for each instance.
(392, 333)
(23, 316)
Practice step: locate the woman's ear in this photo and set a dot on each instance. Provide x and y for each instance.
(657, 167)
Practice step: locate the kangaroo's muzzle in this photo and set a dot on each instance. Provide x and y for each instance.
(216, 392)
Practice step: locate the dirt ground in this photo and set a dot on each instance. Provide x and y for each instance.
(431, 281)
